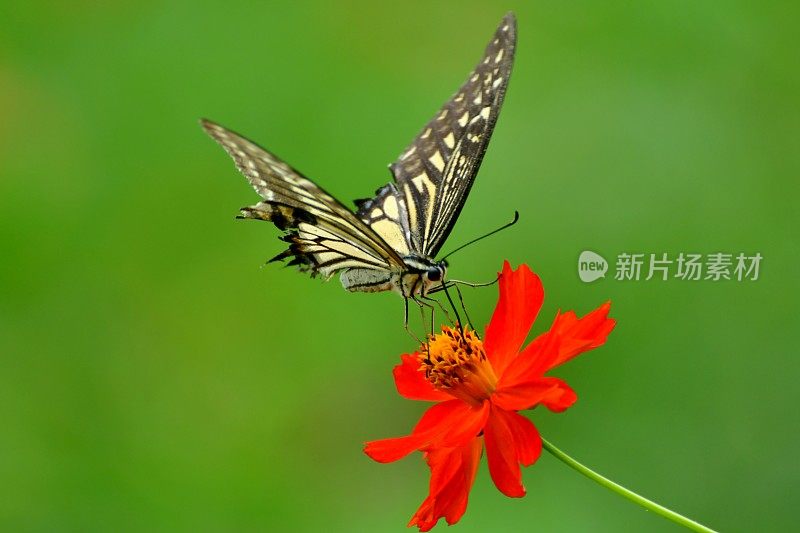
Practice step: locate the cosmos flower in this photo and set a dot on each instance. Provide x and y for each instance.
(479, 386)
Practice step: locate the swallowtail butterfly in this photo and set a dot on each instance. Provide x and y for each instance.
(389, 243)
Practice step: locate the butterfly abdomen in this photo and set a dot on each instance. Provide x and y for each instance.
(367, 280)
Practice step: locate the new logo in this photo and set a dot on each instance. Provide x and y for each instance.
(591, 266)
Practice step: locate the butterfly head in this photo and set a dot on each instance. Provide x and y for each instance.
(433, 277)
(436, 272)
(423, 275)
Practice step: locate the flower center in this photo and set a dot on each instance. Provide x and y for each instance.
(456, 363)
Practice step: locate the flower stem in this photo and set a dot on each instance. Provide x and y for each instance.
(622, 491)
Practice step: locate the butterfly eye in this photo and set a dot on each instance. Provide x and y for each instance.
(435, 274)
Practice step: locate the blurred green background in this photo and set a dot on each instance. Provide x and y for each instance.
(153, 378)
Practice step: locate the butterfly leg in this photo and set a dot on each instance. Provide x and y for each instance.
(453, 306)
(468, 284)
(422, 305)
(464, 308)
(442, 308)
(405, 323)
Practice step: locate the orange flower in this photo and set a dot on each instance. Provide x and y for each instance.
(480, 386)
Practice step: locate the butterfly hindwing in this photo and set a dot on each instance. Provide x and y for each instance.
(324, 235)
(436, 172)
(386, 215)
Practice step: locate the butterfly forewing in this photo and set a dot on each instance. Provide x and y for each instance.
(324, 235)
(436, 172)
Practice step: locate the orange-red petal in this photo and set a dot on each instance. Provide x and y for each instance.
(552, 392)
(468, 426)
(568, 337)
(452, 475)
(526, 438)
(446, 424)
(411, 383)
(501, 453)
(521, 297)
(576, 335)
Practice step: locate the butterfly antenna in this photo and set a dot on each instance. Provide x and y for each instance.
(473, 241)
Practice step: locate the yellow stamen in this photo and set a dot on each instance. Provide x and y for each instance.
(456, 363)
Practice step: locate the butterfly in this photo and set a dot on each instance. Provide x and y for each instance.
(389, 243)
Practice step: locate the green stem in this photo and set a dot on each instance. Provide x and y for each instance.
(622, 491)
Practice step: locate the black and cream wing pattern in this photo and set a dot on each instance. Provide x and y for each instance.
(399, 231)
(324, 235)
(435, 173)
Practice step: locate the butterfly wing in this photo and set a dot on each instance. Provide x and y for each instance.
(435, 173)
(386, 214)
(324, 235)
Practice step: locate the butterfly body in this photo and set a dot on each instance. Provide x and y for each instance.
(419, 277)
(389, 243)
